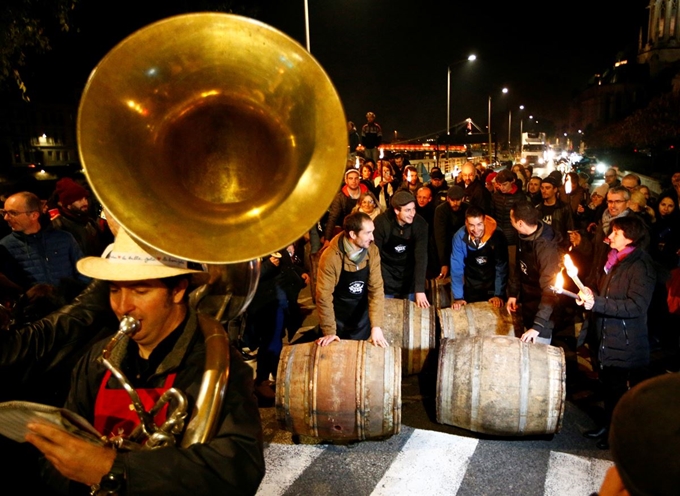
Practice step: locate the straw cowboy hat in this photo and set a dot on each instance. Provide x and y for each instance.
(125, 260)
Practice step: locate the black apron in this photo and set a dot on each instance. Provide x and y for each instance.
(350, 304)
(397, 261)
(480, 273)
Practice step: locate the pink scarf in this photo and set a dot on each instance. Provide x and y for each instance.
(616, 256)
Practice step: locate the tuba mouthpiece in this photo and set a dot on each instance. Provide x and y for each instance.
(128, 325)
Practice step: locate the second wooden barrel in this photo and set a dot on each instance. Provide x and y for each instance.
(501, 385)
(346, 391)
(413, 329)
(439, 292)
(480, 318)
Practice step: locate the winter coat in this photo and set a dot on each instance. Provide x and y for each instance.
(465, 255)
(620, 311)
(538, 262)
(502, 203)
(47, 256)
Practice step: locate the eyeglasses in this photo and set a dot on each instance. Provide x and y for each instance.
(14, 213)
(612, 202)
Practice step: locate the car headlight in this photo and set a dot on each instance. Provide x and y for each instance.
(601, 168)
(541, 161)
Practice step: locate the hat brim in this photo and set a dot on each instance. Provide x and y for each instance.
(104, 269)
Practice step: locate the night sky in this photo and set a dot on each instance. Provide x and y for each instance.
(391, 56)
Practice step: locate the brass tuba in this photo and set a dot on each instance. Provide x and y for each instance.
(217, 139)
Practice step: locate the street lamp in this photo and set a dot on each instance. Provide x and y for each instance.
(471, 58)
(309, 49)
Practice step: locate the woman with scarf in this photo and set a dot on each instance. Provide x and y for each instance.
(368, 204)
(619, 307)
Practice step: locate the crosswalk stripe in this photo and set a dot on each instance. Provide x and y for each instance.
(284, 465)
(571, 475)
(419, 464)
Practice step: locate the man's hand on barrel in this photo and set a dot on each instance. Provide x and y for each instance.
(378, 338)
(530, 336)
(421, 300)
(326, 340)
(458, 304)
(496, 301)
(511, 305)
(444, 272)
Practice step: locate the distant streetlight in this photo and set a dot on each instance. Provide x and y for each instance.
(471, 58)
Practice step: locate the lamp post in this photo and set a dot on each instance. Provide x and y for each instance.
(504, 91)
(309, 49)
(471, 58)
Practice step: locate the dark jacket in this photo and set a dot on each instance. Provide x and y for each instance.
(561, 219)
(620, 311)
(397, 278)
(538, 262)
(476, 194)
(84, 229)
(502, 203)
(40, 356)
(340, 208)
(446, 224)
(231, 463)
(48, 256)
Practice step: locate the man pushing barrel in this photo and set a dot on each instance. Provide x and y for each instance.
(349, 289)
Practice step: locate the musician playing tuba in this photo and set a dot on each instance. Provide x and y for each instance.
(166, 347)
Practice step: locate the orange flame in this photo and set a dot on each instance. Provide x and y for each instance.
(567, 185)
(559, 281)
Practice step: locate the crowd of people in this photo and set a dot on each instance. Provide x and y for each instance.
(500, 236)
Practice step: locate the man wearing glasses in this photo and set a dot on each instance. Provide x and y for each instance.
(33, 254)
(617, 206)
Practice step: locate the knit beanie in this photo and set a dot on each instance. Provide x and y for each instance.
(601, 190)
(70, 191)
(644, 437)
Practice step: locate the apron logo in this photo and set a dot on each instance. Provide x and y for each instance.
(356, 287)
(400, 248)
(481, 260)
(523, 267)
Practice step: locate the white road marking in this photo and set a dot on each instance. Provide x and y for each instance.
(419, 465)
(284, 464)
(571, 475)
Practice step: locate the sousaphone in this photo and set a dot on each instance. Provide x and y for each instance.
(212, 137)
(217, 139)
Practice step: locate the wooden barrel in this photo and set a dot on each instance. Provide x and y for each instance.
(346, 391)
(473, 319)
(412, 328)
(501, 385)
(439, 292)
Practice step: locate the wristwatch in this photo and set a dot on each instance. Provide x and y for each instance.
(113, 483)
